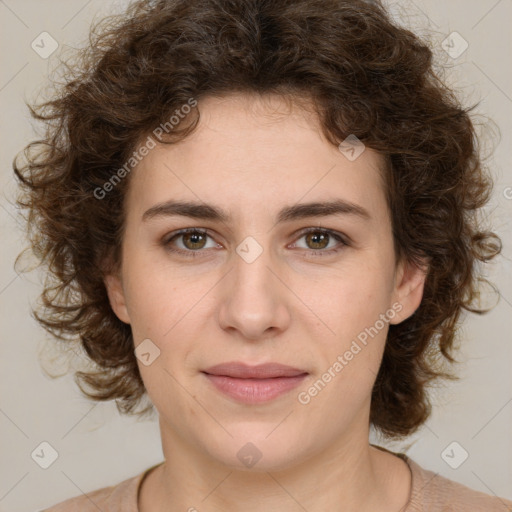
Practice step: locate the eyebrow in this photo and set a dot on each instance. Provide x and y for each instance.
(205, 211)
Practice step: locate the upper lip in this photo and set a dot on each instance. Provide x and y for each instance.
(240, 370)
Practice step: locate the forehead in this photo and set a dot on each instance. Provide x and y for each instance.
(256, 153)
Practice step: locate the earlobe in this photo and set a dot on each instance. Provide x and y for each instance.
(409, 286)
(116, 297)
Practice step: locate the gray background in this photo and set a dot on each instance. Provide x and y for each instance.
(96, 446)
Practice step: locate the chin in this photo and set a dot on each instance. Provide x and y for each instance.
(258, 448)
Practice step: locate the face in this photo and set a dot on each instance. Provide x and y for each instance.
(260, 278)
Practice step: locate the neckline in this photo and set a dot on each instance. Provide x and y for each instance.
(141, 479)
(408, 461)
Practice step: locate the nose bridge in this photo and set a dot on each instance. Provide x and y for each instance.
(252, 264)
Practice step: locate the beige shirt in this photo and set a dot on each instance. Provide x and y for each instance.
(430, 492)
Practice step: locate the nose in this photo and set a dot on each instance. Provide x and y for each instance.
(254, 298)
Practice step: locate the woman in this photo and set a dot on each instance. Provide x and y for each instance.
(262, 215)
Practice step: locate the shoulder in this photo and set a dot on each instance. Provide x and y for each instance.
(433, 492)
(121, 497)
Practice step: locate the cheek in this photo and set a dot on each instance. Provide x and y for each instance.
(347, 301)
(349, 304)
(165, 309)
(156, 298)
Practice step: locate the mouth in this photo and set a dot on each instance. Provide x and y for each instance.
(254, 384)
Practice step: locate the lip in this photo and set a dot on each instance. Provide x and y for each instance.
(240, 370)
(254, 384)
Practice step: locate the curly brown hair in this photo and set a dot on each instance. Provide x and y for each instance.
(366, 76)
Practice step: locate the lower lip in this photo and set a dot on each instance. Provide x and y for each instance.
(255, 391)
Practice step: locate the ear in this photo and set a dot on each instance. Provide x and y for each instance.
(408, 291)
(116, 296)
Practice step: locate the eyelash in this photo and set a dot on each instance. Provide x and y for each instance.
(315, 253)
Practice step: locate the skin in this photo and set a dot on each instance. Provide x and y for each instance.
(251, 156)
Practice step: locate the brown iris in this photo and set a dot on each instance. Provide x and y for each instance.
(318, 239)
(197, 240)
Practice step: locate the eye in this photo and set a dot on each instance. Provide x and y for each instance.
(321, 241)
(193, 240)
